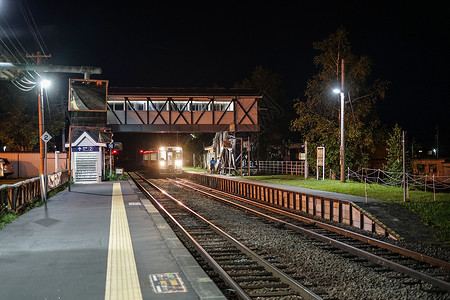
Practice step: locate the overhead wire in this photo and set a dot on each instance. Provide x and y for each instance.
(33, 29)
(28, 80)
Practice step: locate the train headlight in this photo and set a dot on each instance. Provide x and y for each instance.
(178, 163)
(162, 163)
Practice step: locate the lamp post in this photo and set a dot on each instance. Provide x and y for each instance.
(43, 84)
(342, 157)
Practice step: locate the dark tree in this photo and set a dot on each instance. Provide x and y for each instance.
(318, 112)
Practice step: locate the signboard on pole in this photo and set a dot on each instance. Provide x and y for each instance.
(46, 137)
(320, 156)
(86, 149)
(321, 161)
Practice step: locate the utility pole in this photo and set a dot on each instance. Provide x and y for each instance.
(86, 70)
(342, 124)
(38, 57)
(404, 166)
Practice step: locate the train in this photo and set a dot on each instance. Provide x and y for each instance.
(166, 160)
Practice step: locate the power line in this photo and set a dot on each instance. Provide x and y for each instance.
(34, 30)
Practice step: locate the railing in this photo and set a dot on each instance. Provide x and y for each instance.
(15, 196)
(340, 211)
(423, 182)
(283, 167)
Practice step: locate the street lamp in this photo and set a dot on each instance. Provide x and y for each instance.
(45, 83)
(342, 157)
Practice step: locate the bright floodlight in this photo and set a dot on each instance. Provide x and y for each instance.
(45, 83)
(336, 91)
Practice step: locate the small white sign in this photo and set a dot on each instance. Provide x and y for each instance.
(46, 137)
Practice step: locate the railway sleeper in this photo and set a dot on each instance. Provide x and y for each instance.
(251, 274)
(239, 263)
(263, 285)
(230, 258)
(224, 254)
(255, 267)
(272, 294)
(252, 279)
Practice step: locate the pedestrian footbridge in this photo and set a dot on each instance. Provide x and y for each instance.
(183, 110)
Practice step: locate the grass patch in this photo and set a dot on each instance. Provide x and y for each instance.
(434, 213)
(7, 218)
(116, 177)
(194, 169)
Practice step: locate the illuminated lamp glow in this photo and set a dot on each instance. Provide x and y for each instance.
(45, 83)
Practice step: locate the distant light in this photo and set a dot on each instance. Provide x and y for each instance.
(45, 83)
(336, 91)
(434, 150)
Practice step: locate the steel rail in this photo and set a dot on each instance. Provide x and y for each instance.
(295, 286)
(374, 242)
(374, 258)
(211, 262)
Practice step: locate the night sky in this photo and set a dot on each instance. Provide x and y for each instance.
(221, 43)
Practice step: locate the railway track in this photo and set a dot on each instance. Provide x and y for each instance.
(428, 269)
(411, 269)
(249, 274)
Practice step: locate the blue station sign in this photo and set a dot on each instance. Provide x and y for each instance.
(86, 149)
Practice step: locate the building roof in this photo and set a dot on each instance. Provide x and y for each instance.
(191, 91)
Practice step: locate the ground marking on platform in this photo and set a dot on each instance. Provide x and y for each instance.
(122, 281)
(167, 283)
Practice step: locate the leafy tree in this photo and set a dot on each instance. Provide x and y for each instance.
(263, 79)
(318, 112)
(18, 119)
(395, 152)
(19, 124)
(275, 122)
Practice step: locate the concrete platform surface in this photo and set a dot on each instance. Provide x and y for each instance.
(98, 241)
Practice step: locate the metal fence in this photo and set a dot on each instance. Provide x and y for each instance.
(424, 182)
(15, 196)
(283, 167)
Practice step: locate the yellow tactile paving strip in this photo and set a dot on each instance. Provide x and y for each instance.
(122, 281)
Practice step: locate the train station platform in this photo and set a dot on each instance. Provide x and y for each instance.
(397, 218)
(98, 241)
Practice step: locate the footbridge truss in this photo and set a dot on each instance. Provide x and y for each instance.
(184, 110)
